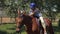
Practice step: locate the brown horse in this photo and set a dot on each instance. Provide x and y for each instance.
(31, 25)
(29, 21)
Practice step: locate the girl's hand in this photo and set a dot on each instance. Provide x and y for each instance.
(31, 14)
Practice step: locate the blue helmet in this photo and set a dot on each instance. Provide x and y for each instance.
(32, 5)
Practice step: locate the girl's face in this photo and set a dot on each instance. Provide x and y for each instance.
(33, 8)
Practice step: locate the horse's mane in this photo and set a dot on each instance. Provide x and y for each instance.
(27, 18)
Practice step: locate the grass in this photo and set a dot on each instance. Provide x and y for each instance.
(56, 27)
(10, 29)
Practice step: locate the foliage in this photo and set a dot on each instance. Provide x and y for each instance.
(52, 6)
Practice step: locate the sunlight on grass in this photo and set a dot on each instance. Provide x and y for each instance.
(57, 32)
(23, 32)
(55, 24)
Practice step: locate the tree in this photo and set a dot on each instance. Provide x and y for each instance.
(52, 6)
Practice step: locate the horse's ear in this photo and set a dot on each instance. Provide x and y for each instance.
(18, 11)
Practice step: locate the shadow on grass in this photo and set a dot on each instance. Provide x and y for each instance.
(59, 22)
(56, 28)
(21, 31)
(14, 28)
(3, 32)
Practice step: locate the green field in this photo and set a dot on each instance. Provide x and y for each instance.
(10, 29)
(56, 27)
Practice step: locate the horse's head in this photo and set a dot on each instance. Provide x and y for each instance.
(22, 20)
(18, 23)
